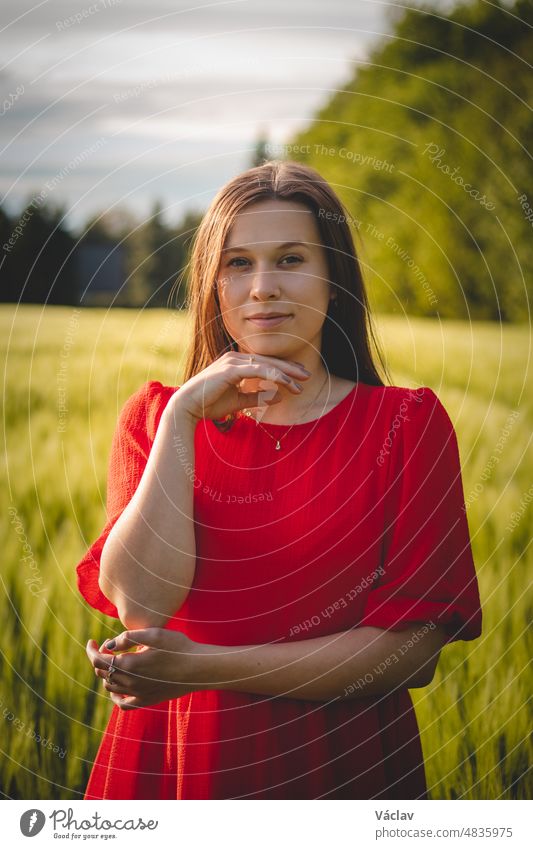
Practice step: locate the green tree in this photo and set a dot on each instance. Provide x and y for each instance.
(430, 154)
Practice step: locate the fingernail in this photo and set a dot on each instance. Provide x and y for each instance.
(110, 644)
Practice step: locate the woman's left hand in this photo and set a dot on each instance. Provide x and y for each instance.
(160, 669)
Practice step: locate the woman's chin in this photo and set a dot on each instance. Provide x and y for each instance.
(267, 348)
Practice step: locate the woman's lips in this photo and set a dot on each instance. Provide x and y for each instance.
(269, 322)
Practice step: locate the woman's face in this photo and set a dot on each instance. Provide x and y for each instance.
(273, 261)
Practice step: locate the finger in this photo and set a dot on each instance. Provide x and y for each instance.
(96, 658)
(103, 648)
(119, 683)
(103, 673)
(292, 367)
(117, 687)
(119, 674)
(94, 655)
(266, 371)
(126, 702)
(102, 665)
(129, 639)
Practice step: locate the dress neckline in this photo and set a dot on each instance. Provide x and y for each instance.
(337, 408)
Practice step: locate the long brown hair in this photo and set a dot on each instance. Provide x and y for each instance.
(347, 338)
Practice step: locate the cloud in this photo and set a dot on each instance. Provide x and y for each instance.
(165, 85)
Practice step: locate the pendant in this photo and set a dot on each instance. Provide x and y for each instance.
(278, 446)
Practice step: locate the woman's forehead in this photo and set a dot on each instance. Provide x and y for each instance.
(273, 221)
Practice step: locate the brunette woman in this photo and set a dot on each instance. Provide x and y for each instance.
(286, 543)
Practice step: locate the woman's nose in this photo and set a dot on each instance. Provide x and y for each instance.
(263, 281)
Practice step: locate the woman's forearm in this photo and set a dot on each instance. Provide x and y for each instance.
(364, 661)
(148, 560)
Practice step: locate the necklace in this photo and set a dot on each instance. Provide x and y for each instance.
(278, 441)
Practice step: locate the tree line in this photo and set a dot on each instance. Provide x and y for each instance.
(42, 261)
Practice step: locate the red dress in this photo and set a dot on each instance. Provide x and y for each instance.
(357, 520)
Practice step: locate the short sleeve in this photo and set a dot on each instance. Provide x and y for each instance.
(428, 571)
(130, 448)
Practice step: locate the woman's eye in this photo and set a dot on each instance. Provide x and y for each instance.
(242, 261)
(237, 259)
(292, 257)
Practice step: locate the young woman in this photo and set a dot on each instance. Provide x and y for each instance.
(286, 541)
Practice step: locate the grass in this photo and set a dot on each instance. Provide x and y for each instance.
(473, 718)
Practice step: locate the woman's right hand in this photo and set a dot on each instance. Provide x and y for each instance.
(215, 392)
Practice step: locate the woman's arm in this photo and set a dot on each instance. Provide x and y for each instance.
(364, 661)
(148, 560)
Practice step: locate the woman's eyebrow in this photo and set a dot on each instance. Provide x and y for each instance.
(277, 247)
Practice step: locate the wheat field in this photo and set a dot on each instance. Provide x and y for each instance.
(67, 373)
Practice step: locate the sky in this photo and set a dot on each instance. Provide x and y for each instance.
(113, 104)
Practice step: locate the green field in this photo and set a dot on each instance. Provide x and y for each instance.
(66, 376)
